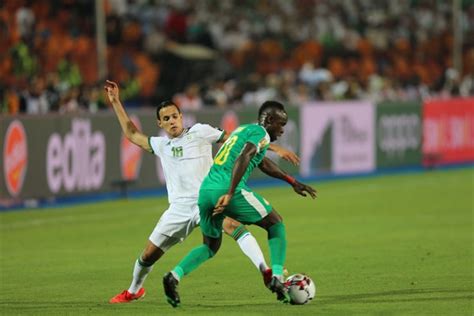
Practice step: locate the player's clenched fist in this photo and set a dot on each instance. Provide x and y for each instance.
(112, 90)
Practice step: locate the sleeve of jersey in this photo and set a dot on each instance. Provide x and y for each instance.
(257, 136)
(155, 142)
(209, 133)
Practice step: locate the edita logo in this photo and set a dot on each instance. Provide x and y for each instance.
(15, 156)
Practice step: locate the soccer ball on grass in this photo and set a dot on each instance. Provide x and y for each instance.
(300, 288)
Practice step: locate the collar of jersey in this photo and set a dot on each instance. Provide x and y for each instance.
(185, 130)
(261, 125)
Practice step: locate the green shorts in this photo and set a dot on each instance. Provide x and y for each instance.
(245, 206)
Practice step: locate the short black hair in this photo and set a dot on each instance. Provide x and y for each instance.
(165, 104)
(269, 105)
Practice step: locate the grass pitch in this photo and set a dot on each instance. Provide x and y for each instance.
(391, 245)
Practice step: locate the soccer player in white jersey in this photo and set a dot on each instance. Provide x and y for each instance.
(186, 157)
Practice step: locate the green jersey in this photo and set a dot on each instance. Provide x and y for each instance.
(220, 174)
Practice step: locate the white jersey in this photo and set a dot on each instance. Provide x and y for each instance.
(186, 160)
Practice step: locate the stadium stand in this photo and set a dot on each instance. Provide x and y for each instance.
(230, 53)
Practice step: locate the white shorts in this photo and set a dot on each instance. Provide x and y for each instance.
(176, 223)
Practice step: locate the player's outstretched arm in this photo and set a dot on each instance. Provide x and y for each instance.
(129, 129)
(240, 165)
(286, 154)
(270, 168)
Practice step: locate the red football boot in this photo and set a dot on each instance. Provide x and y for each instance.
(127, 297)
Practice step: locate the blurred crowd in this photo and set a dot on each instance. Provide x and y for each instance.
(230, 52)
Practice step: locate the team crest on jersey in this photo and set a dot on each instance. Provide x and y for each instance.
(264, 142)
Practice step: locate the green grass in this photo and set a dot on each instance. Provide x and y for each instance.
(392, 245)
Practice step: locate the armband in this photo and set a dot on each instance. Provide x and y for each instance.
(289, 179)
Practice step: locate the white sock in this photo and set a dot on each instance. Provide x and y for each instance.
(251, 249)
(279, 277)
(139, 275)
(176, 276)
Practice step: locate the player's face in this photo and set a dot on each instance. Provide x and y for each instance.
(171, 121)
(276, 122)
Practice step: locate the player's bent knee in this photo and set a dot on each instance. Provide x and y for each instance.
(276, 216)
(230, 225)
(212, 253)
(271, 219)
(228, 229)
(213, 244)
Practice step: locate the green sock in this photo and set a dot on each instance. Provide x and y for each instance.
(277, 243)
(239, 232)
(193, 259)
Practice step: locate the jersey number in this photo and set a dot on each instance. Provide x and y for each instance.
(223, 153)
(177, 151)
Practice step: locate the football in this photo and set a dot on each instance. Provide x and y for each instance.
(300, 288)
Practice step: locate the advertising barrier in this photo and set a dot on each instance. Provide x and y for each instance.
(54, 155)
(398, 134)
(448, 131)
(337, 137)
(57, 156)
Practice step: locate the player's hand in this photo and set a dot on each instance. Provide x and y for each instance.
(221, 204)
(112, 91)
(286, 154)
(302, 189)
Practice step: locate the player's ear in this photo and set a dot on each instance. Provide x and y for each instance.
(158, 122)
(269, 119)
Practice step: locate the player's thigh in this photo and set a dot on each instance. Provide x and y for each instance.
(174, 226)
(248, 207)
(211, 226)
(163, 242)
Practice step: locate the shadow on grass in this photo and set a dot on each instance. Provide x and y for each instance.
(94, 306)
(395, 296)
(29, 305)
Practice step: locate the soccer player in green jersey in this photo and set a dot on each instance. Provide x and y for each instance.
(224, 192)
